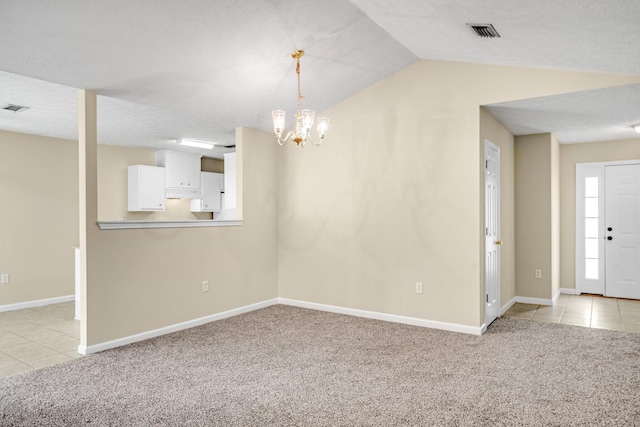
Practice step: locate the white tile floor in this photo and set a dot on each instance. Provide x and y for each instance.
(584, 310)
(37, 337)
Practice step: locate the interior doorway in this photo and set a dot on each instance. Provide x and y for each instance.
(492, 231)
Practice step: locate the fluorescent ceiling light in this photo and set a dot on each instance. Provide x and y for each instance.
(194, 143)
(636, 127)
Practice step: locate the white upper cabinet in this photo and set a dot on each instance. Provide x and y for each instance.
(146, 188)
(211, 196)
(183, 173)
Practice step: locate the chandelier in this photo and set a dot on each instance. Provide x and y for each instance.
(304, 118)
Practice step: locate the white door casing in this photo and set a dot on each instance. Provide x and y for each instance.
(622, 231)
(492, 231)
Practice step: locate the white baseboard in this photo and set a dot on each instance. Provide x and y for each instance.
(36, 303)
(507, 306)
(174, 328)
(568, 291)
(537, 301)
(453, 327)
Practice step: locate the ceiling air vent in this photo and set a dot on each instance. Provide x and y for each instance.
(484, 30)
(15, 108)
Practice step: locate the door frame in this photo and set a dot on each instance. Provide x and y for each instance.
(490, 317)
(587, 170)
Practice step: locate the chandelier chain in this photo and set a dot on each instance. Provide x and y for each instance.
(300, 97)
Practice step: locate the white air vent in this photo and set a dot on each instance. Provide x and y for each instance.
(484, 30)
(15, 108)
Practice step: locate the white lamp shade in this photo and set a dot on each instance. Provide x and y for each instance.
(636, 127)
(323, 126)
(278, 121)
(307, 119)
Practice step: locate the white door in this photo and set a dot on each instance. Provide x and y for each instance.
(492, 231)
(622, 231)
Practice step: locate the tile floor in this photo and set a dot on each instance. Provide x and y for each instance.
(37, 337)
(591, 311)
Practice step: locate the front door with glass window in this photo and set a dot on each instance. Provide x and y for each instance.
(608, 229)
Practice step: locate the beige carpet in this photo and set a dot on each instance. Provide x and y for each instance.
(285, 366)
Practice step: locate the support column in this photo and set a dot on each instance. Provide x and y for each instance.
(537, 217)
(88, 180)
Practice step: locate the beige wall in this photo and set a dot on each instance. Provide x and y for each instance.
(535, 213)
(39, 216)
(492, 130)
(140, 280)
(208, 164)
(400, 201)
(40, 175)
(570, 154)
(88, 198)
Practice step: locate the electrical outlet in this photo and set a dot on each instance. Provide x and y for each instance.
(205, 286)
(538, 273)
(4, 278)
(418, 287)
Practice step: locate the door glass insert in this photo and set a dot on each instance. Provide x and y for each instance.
(591, 186)
(591, 248)
(591, 269)
(591, 227)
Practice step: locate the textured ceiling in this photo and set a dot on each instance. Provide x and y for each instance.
(209, 66)
(166, 69)
(589, 116)
(588, 35)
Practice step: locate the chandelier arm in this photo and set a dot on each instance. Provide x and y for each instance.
(311, 139)
(282, 141)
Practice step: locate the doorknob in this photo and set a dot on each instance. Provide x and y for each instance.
(498, 242)
(609, 238)
(609, 229)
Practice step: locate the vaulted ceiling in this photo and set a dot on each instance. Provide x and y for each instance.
(166, 69)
